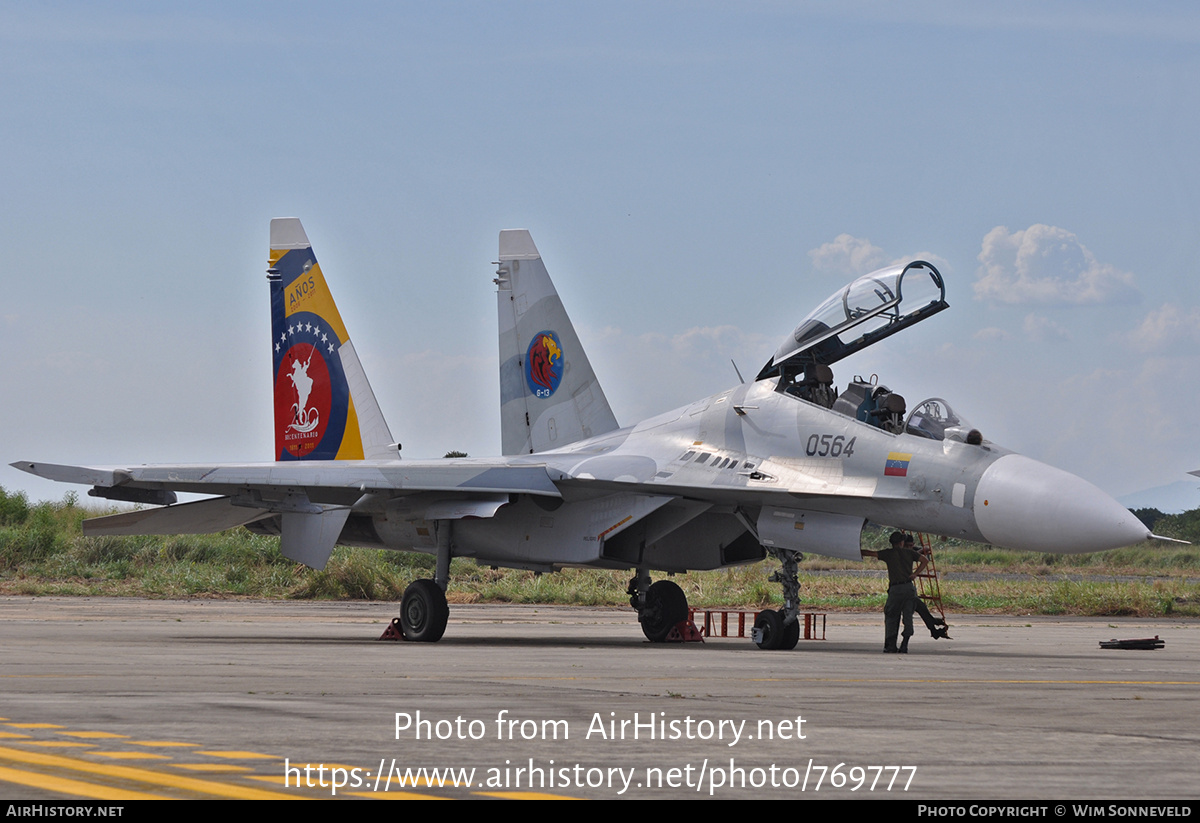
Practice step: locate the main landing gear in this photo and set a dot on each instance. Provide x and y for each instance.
(780, 629)
(424, 612)
(423, 609)
(660, 605)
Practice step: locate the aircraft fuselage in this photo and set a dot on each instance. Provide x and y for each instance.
(638, 504)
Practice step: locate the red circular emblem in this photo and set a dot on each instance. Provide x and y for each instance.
(303, 399)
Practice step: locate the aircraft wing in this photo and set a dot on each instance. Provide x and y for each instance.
(312, 500)
(332, 481)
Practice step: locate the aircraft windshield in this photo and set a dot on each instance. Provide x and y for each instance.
(935, 419)
(874, 306)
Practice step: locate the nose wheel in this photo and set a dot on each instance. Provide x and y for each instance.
(773, 633)
(779, 630)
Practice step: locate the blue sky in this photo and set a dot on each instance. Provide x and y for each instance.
(698, 176)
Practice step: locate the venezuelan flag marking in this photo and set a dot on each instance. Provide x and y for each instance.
(897, 464)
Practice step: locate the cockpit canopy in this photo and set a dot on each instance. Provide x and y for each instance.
(935, 419)
(871, 308)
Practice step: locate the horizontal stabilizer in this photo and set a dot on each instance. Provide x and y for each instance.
(200, 517)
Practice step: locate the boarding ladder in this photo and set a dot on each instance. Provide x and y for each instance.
(928, 587)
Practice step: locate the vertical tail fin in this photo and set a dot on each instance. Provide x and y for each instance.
(549, 395)
(324, 406)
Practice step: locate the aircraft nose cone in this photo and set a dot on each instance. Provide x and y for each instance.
(1023, 504)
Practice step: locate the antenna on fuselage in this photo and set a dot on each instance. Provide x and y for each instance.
(739, 373)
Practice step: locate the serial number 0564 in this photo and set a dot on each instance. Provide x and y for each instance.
(828, 445)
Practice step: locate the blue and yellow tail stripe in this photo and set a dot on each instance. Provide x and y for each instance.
(304, 323)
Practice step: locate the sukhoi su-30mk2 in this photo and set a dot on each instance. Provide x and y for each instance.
(779, 466)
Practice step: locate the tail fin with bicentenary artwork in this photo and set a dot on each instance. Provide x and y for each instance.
(324, 406)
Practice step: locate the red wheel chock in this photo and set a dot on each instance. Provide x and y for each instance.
(393, 631)
(684, 631)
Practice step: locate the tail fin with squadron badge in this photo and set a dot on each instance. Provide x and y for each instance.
(549, 395)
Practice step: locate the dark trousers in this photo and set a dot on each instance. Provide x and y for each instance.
(920, 608)
(901, 601)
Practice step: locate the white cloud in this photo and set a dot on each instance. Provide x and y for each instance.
(1046, 265)
(991, 333)
(1167, 325)
(849, 256)
(1043, 329)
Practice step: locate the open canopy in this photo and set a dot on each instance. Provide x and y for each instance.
(871, 308)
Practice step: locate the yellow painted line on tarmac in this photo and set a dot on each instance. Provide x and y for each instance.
(131, 755)
(215, 768)
(13, 736)
(154, 778)
(274, 779)
(525, 796)
(294, 766)
(243, 755)
(424, 781)
(160, 743)
(94, 735)
(65, 785)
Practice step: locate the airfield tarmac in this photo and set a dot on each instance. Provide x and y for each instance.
(123, 698)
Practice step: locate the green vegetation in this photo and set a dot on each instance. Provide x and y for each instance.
(43, 552)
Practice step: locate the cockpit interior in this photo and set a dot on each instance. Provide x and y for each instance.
(875, 306)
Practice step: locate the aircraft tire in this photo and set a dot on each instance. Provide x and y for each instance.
(791, 634)
(666, 605)
(423, 612)
(771, 623)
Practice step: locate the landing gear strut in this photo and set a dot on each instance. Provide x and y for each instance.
(780, 630)
(660, 605)
(423, 609)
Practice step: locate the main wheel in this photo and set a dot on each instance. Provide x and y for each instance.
(423, 612)
(666, 605)
(770, 623)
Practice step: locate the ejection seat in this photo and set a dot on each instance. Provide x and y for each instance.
(872, 404)
(855, 401)
(817, 386)
(888, 413)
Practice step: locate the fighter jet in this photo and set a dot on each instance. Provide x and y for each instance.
(776, 467)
